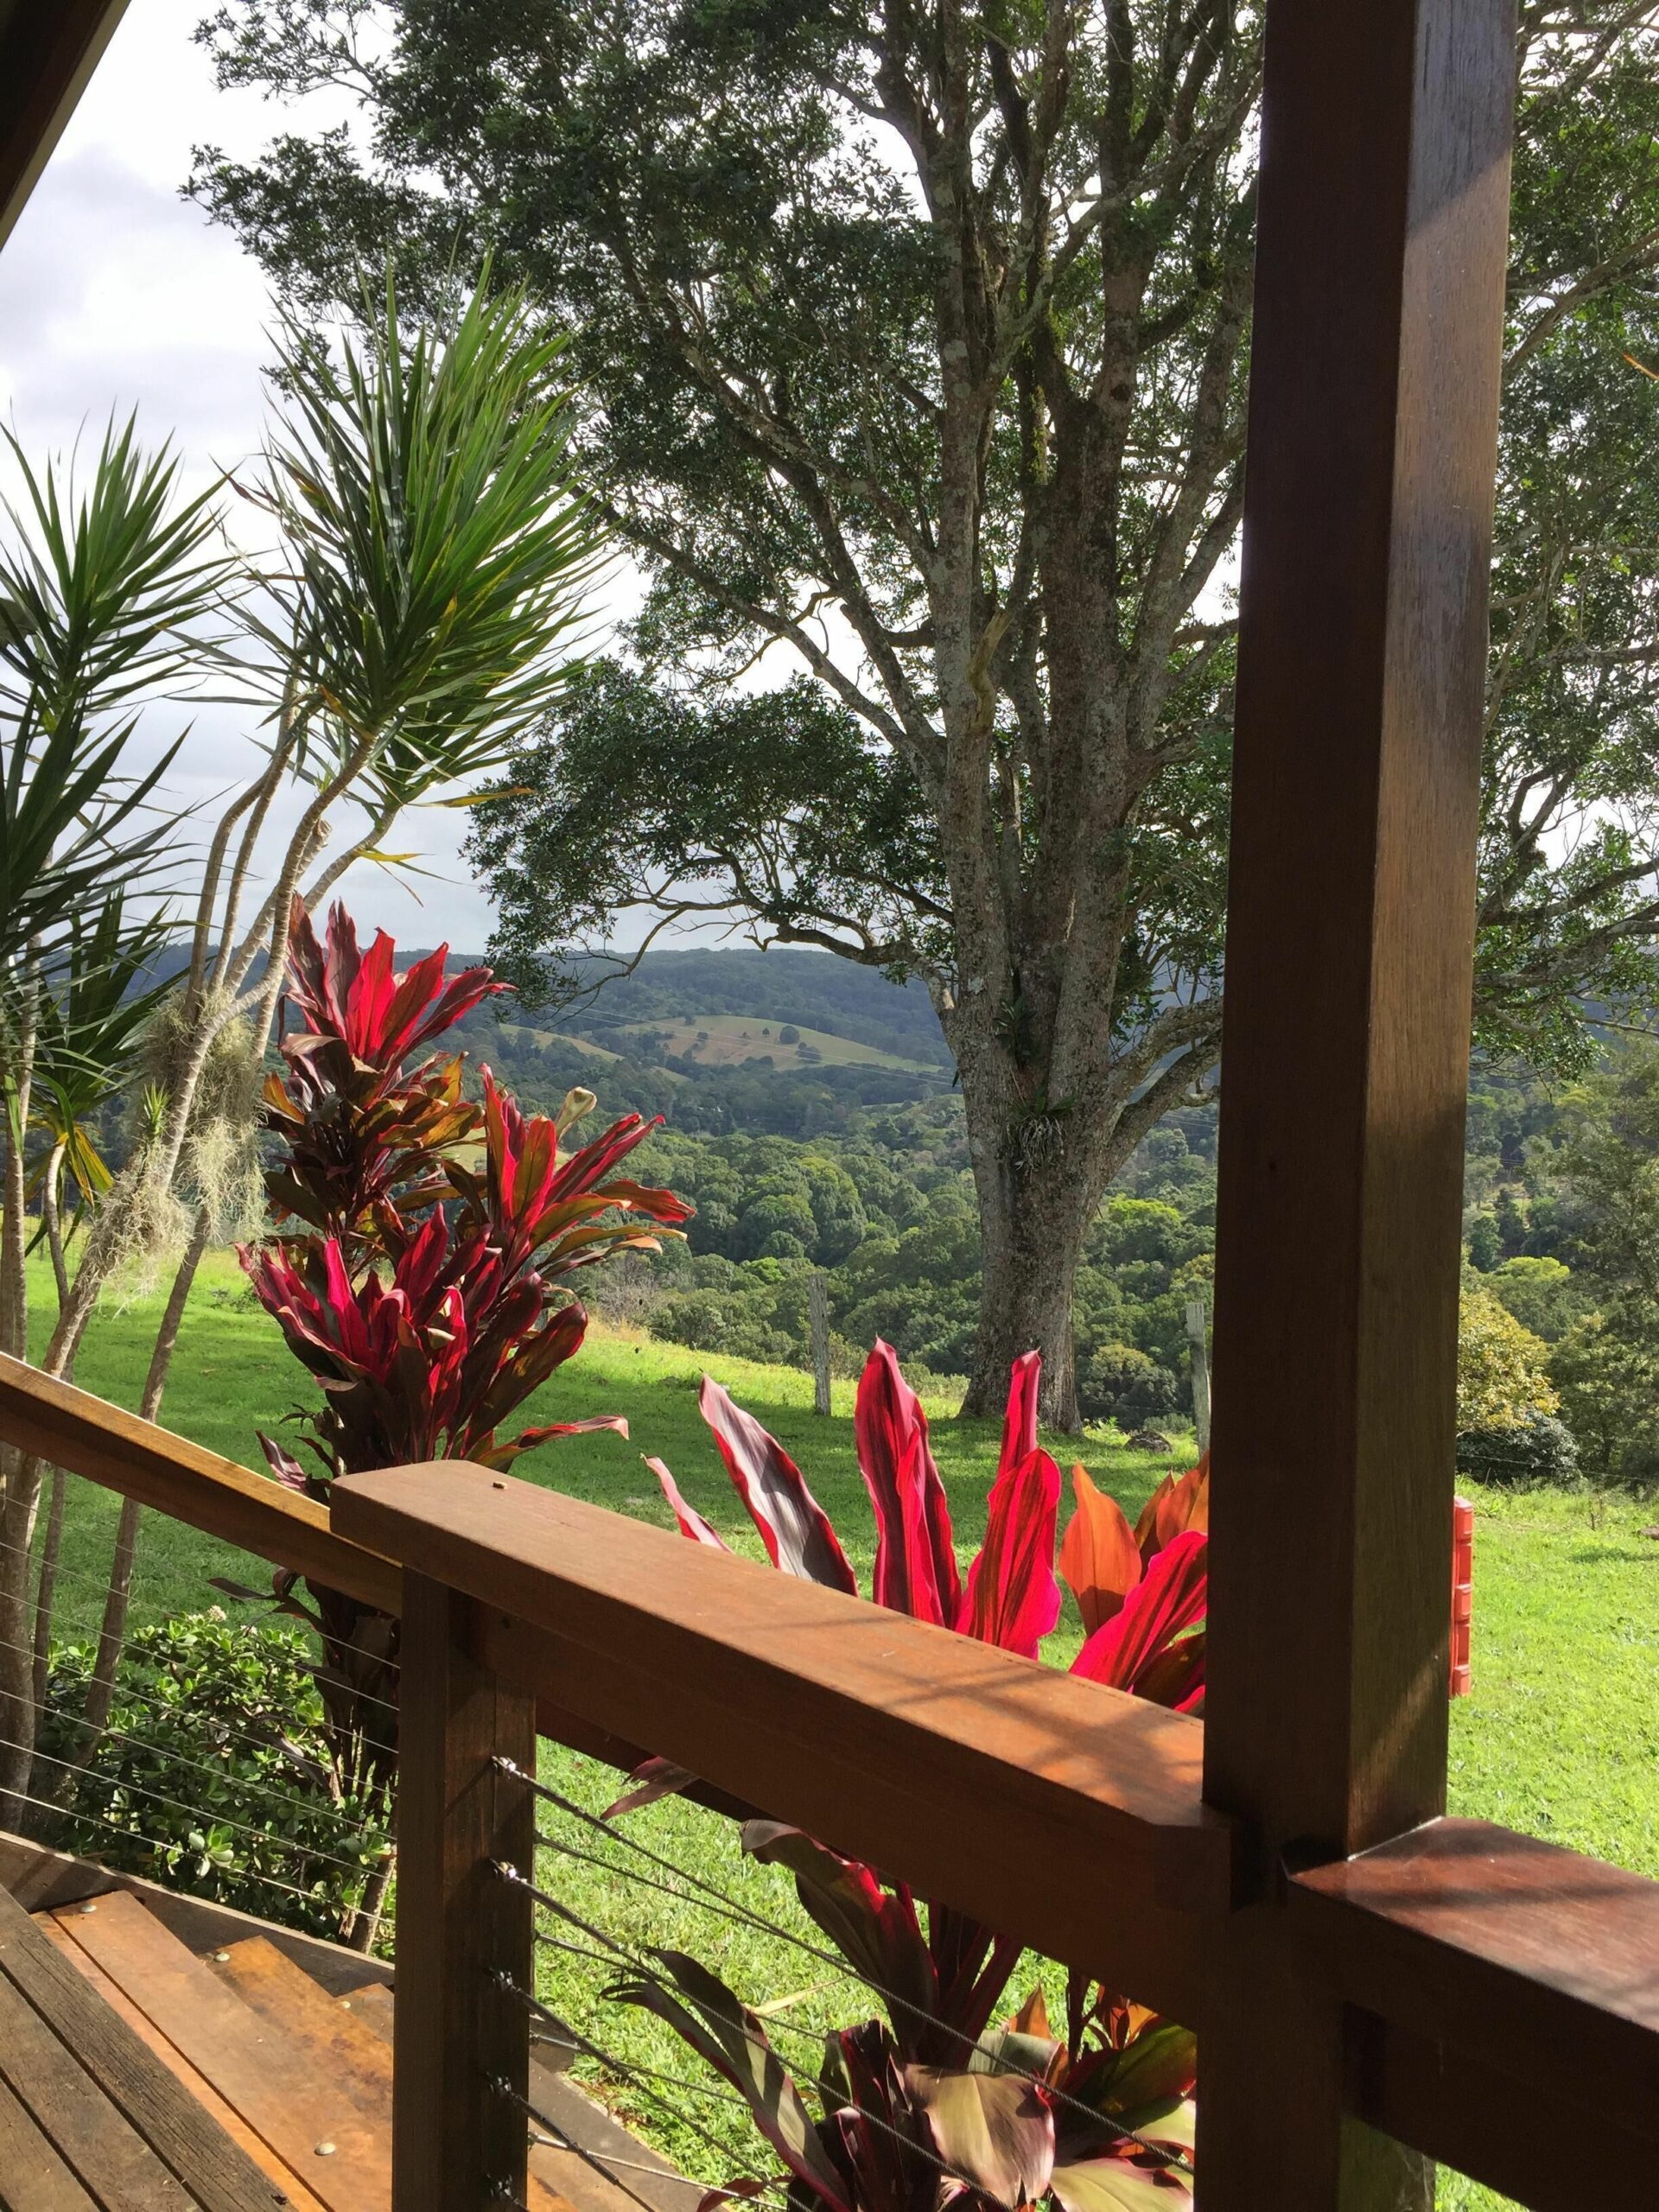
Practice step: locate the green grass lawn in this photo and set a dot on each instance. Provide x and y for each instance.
(1561, 1737)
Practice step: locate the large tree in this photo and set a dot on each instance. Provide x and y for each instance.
(914, 341)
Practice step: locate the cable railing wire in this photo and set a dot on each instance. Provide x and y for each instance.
(271, 1882)
(608, 2164)
(719, 1901)
(632, 2073)
(124, 1788)
(640, 1964)
(577, 2040)
(319, 1804)
(99, 1584)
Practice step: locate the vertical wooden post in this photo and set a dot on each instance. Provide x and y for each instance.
(1197, 1338)
(454, 2137)
(1376, 356)
(818, 1313)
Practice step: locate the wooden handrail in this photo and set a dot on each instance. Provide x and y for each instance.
(1511, 1989)
(1065, 1812)
(70, 1429)
(73, 1428)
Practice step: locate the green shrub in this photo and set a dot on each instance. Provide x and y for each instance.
(213, 1777)
(1502, 1378)
(1537, 1450)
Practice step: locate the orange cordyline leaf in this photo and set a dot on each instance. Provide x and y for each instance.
(1180, 1502)
(1100, 1558)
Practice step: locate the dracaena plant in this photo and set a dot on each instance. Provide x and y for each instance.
(930, 2103)
(421, 1291)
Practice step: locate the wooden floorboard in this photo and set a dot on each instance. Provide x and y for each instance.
(343, 2048)
(115, 2165)
(258, 2072)
(300, 2198)
(119, 2071)
(32, 2177)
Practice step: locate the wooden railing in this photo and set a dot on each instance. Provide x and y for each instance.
(1499, 1997)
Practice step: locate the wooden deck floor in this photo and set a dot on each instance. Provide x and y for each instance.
(138, 2076)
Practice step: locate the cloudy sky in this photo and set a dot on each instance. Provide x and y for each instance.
(116, 292)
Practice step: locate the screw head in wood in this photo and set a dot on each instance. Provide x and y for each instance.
(326, 2150)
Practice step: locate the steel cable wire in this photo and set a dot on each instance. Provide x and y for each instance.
(178, 1805)
(126, 1688)
(271, 1882)
(719, 1901)
(100, 1584)
(639, 1963)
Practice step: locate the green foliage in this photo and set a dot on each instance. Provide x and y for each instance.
(424, 493)
(1500, 1371)
(94, 1014)
(1541, 1292)
(889, 1212)
(1606, 1364)
(772, 806)
(1535, 1449)
(213, 1776)
(100, 582)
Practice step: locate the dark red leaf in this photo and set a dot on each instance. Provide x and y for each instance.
(915, 1555)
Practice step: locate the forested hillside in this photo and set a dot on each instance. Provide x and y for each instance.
(861, 1169)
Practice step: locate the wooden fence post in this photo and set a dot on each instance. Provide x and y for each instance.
(1197, 1337)
(818, 1309)
(457, 2031)
(1374, 369)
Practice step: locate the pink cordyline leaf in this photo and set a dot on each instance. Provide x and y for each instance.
(994, 2129)
(282, 1463)
(616, 1423)
(1171, 1596)
(378, 1016)
(1020, 1417)
(705, 2014)
(875, 1928)
(915, 1557)
(691, 1522)
(793, 1526)
(1013, 1598)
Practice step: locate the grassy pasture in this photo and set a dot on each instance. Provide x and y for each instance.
(726, 1041)
(1561, 1737)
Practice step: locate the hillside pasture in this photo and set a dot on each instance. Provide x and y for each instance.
(729, 1041)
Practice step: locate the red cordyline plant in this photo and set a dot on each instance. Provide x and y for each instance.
(425, 1290)
(931, 2106)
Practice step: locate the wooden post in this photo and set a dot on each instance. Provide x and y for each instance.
(819, 1309)
(454, 2137)
(1197, 1337)
(1375, 353)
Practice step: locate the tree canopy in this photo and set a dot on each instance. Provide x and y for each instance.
(913, 347)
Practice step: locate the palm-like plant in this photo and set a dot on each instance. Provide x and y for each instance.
(93, 1014)
(434, 556)
(105, 584)
(100, 586)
